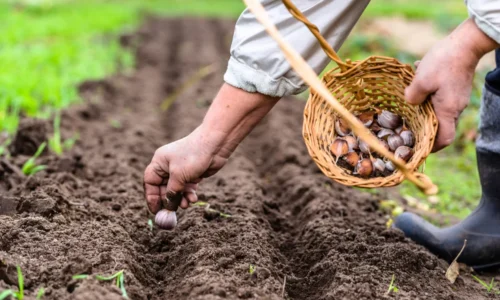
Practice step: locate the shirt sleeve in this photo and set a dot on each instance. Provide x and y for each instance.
(486, 15)
(257, 63)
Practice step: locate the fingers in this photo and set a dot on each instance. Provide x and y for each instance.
(418, 91)
(152, 190)
(416, 64)
(446, 131)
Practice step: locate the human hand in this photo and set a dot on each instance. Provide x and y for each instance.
(445, 76)
(178, 167)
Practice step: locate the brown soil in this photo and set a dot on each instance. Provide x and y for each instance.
(85, 213)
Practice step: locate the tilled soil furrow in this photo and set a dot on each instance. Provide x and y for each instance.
(86, 214)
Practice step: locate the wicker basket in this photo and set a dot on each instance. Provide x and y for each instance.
(376, 82)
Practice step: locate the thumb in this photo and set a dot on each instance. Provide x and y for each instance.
(174, 191)
(418, 91)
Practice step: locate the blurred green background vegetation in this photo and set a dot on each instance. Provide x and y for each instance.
(47, 47)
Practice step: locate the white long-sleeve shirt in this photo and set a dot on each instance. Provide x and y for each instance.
(258, 65)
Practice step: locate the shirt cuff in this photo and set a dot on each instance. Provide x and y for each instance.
(252, 80)
(485, 25)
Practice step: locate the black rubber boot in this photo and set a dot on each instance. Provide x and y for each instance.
(481, 228)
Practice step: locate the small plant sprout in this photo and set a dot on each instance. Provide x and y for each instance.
(119, 278)
(115, 123)
(30, 167)
(251, 269)
(40, 293)
(489, 287)
(150, 225)
(392, 288)
(19, 295)
(55, 142)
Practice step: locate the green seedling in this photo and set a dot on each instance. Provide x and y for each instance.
(4, 145)
(489, 287)
(392, 288)
(119, 278)
(40, 293)
(30, 167)
(56, 144)
(19, 295)
(251, 269)
(115, 124)
(150, 225)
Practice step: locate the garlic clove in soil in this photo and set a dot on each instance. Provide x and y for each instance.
(408, 138)
(389, 119)
(364, 168)
(339, 147)
(404, 152)
(395, 141)
(166, 219)
(342, 127)
(352, 142)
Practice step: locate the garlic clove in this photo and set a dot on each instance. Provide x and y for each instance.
(352, 158)
(166, 219)
(390, 166)
(363, 146)
(385, 144)
(395, 141)
(404, 152)
(339, 147)
(342, 127)
(367, 118)
(389, 119)
(378, 164)
(352, 142)
(364, 168)
(384, 133)
(375, 127)
(408, 138)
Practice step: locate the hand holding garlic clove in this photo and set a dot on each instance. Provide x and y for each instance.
(357, 157)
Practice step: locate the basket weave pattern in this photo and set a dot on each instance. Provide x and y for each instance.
(376, 82)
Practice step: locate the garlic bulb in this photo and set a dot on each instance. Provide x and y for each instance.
(166, 219)
(339, 147)
(363, 146)
(364, 168)
(352, 142)
(378, 165)
(389, 120)
(408, 138)
(367, 118)
(390, 166)
(342, 127)
(384, 133)
(404, 152)
(352, 158)
(394, 142)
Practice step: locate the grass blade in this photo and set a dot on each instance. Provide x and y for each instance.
(80, 276)
(20, 281)
(5, 294)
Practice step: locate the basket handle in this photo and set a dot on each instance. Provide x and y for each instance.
(297, 14)
(307, 73)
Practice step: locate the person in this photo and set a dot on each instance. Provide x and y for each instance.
(258, 76)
